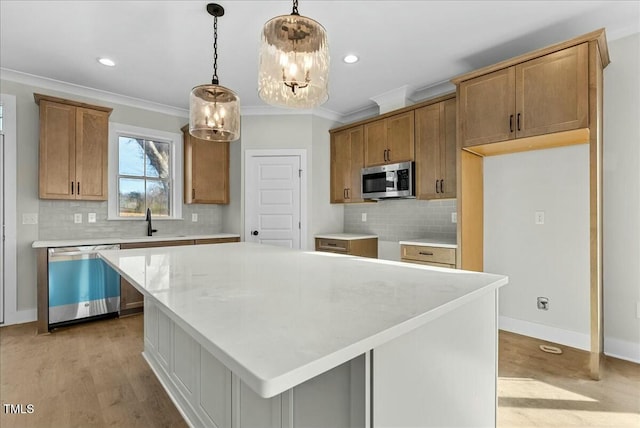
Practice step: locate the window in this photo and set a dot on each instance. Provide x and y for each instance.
(145, 171)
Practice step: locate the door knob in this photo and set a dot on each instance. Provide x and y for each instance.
(254, 233)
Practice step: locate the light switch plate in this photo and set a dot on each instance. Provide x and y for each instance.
(364, 216)
(91, 218)
(539, 217)
(30, 218)
(194, 217)
(77, 218)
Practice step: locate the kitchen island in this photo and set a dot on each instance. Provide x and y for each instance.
(254, 335)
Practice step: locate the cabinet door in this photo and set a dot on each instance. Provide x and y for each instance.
(448, 186)
(487, 108)
(340, 165)
(427, 151)
(57, 151)
(375, 143)
(356, 155)
(206, 171)
(552, 92)
(400, 137)
(92, 139)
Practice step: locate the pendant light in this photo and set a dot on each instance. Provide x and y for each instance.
(214, 111)
(294, 62)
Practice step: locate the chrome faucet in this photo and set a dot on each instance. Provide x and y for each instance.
(150, 229)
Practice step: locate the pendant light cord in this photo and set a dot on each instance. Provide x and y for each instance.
(295, 8)
(214, 79)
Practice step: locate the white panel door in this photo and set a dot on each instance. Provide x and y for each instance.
(272, 193)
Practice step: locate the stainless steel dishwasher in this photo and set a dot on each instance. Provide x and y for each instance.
(81, 285)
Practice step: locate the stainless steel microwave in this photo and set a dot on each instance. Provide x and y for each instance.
(388, 181)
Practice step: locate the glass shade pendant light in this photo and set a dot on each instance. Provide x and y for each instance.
(214, 111)
(294, 62)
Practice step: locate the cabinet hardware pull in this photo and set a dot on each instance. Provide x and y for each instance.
(348, 196)
(442, 186)
(78, 192)
(193, 193)
(385, 155)
(424, 253)
(332, 244)
(344, 193)
(437, 186)
(72, 187)
(518, 121)
(511, 123)
(389, 154)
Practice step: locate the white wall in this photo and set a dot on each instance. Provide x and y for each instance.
(550, 260)
(290, 131)
(621, 229)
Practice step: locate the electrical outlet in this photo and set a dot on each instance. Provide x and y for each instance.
(364, 216)
(77, 218)
(543, 303)
(539, 217)
(91, 218)
(194, 217)
(30, 218)
(454, 217)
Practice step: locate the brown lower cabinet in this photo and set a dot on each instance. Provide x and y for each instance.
(354, 247)
(432, 256)
(131, 300)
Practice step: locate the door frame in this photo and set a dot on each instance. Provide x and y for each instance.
(302, 154)
(10, 312)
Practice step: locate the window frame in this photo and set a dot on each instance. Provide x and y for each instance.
(117, 130)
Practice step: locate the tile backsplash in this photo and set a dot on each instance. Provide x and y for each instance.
(56, 221)
(402, 219)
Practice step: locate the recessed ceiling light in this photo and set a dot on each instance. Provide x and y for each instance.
(350, 59)
(106, 61)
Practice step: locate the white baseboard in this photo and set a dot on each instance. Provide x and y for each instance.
(622, 349)
(20, 317)
(545, 332)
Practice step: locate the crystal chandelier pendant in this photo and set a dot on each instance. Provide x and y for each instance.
(294, 62)
(214, 111)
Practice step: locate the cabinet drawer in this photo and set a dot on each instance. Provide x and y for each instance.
(429, 254)
(337, 245)
(215, 240)
(153, 244)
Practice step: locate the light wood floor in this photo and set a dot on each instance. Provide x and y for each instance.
(92, 375)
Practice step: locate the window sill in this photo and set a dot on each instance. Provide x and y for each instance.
(153, 219)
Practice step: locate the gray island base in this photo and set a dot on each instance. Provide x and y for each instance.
(249, 335)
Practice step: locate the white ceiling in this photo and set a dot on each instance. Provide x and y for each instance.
(164, 48)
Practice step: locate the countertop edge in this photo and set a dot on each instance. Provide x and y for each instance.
(51, 243)
(346, 236)
(428, 244)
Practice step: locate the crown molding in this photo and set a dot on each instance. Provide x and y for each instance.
(84, 91)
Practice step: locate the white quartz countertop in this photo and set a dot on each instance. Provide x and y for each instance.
(446, 242)
(345, 236)
(278, 317)
(122, 240)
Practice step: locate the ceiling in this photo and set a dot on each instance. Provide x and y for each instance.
(164, 48)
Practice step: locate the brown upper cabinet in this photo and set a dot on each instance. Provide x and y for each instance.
(544, 95)
(74, 142)
(436, 150)
(389, 140)
(206, 170)
(347, 155)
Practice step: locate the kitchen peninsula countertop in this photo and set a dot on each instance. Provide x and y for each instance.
(277, 317)
(444, 242)
(121, 240)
